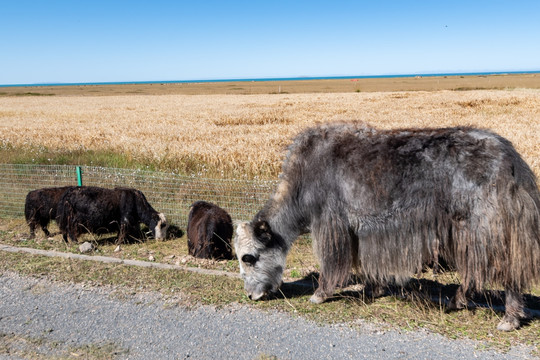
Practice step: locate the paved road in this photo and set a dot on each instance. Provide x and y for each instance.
(146, 326)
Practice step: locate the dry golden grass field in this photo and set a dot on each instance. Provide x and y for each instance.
(235, 135)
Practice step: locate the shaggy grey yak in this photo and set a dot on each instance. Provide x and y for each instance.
(386, 202)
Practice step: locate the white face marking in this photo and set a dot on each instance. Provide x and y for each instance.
(161, 231)
(265, 274)
(240, 238)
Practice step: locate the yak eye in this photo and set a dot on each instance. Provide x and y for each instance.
(249, 259)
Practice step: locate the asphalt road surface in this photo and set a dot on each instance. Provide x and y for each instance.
(50, 318)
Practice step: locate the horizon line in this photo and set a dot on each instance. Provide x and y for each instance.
(298, 78)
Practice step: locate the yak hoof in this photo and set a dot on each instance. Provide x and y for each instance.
(377, 291)
(456, 304)
(508, 324)
(317, 299)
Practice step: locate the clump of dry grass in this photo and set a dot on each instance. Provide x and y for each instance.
(246, 135)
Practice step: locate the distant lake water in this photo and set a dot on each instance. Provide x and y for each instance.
(279, 79)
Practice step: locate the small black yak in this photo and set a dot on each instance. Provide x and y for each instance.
(209, 231)
(389, 201)
(89, 209)
(40, 208)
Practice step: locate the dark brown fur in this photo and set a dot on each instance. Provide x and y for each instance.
(40, 208)
(209, 231)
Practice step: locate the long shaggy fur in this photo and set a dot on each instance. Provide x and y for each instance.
(90, 209)
(40, 207)
(391, 201)
(209, 231)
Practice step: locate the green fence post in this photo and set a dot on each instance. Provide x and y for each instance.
(79, 176)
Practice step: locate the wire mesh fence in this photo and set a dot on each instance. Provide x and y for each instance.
(168, 193)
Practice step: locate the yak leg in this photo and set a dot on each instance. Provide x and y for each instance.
(122, 232)
(74, 234)
(513, 311)
(459, 300)
(324, 291)
(46, 231)
(64, 235)
(375, 289)
(32, 226)
(43, 223)
(70, 233)
(332, 243)
(126, 229)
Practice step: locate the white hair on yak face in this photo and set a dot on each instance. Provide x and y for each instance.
(160, 230)
(156, 221)
(389, 201)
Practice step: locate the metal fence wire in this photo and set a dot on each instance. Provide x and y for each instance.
(168, 193)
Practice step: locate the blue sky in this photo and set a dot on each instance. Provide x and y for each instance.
(106, 41)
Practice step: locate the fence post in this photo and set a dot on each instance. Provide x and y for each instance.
(79, 176)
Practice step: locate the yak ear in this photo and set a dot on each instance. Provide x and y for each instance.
(262, 231)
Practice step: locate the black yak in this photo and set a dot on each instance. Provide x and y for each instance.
(209, 231)
(389, 201)
(89, 209)
(40, 208)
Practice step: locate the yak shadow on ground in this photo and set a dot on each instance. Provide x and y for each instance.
(427, 292)
(173, 232)
(298, 288)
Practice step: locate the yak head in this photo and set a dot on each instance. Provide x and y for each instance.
(158, 226)
(261, 255)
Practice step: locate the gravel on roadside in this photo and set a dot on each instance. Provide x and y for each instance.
(149, 326)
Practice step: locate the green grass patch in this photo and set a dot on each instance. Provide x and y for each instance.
(195, 288)
(174, 250)
(405, 312)
(40, 348)
(44, 156)
(182, 165)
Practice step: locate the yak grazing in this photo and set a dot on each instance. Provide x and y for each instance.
(89, 209)
(40, 208)
(386, 202)
(209, 231)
